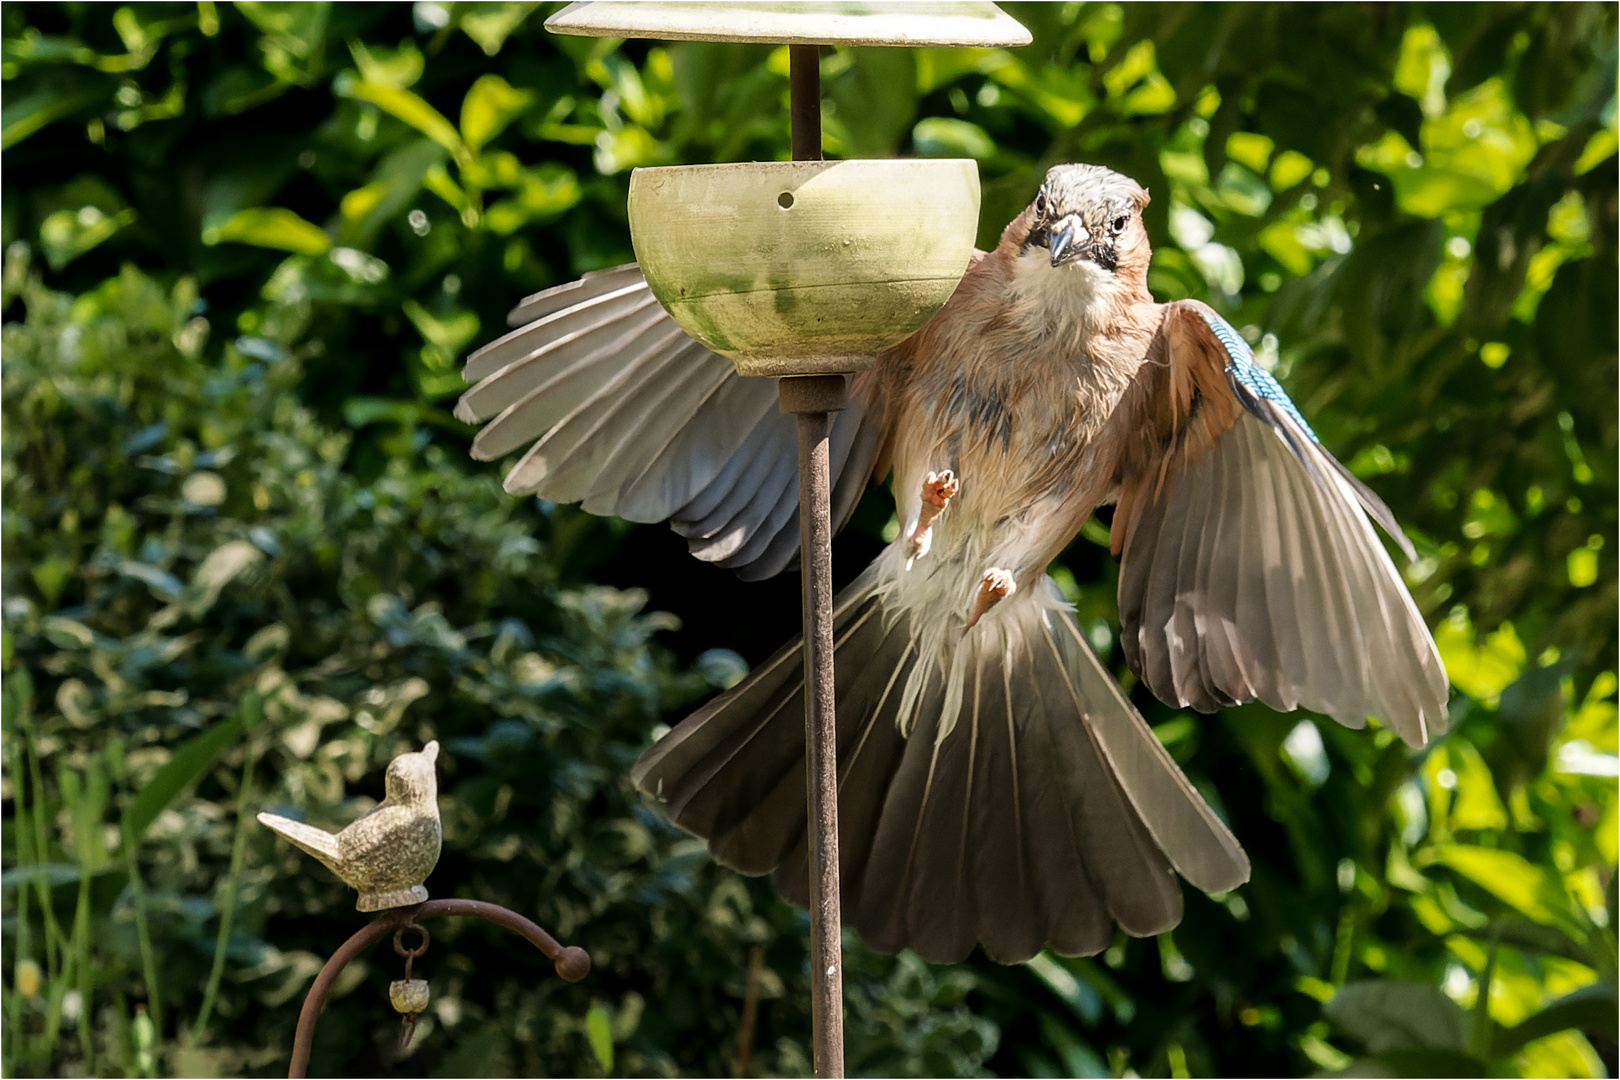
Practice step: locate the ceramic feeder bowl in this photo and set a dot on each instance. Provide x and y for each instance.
(804, 267)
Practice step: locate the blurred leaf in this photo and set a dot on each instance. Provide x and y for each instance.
(490, 24)
(599, 1032)
(189, 761)
(398, 69)
(940, 136)
(269, 227)
(395, 182)
(67, 234)
(1424, 1062)
(1527, 888)
(543, 194)
(294, 36)
(1480, 670)
(1388, 1015)
(876, 99)
(488, 108)
(21, 117)
(406, 106)
(1591, 1007)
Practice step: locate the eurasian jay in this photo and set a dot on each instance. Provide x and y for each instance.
(996, 786)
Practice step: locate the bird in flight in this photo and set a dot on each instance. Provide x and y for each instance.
(996, 785)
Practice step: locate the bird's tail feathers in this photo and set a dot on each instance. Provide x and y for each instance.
(317, 842)
(1006, 793)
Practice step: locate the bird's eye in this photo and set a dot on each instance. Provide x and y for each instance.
(1120, 222)
(1040, 204)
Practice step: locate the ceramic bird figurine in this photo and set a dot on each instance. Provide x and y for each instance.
(995, 783)
(388, 852)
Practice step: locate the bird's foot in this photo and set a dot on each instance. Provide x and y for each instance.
(996, 585)
(938, 488)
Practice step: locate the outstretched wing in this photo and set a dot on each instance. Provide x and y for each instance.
(630, 416)
(1249, 568)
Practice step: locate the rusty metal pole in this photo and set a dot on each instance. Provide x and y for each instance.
(813, 399)
(804, 97)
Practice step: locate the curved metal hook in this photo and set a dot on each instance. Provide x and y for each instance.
(571, 962)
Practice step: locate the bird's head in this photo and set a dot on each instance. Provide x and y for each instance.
(411, 778)
(1086, 215)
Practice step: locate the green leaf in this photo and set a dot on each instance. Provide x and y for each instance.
(394, 183)
(1514, 880)
(1290, 168)
(269, 227)
(944, 136)
(293, 37)
(406, 106)
(1389, 1015)
(1250, 149)
(188, 762)
(218, 569)
(21, 118)
(449, 333)
(599, 1032)
(1599, 148)
(544, 193)
(398, 68)
(489, 107)
(1424, 1061)
(1480, 670)
(1591, 1006)
(491, 24)
(877, 99)
(67, 234)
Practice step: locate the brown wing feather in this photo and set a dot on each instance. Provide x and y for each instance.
(1249, 568)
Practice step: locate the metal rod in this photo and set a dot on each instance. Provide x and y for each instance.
(813, 398)
(571, 962)
(804, 94)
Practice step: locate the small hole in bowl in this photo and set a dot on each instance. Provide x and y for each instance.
(785, 200)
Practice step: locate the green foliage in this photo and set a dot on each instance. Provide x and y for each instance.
(246, 560)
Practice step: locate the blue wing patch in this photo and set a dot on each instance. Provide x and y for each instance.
(1251, 382)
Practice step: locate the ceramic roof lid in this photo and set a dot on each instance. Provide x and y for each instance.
(813, 22)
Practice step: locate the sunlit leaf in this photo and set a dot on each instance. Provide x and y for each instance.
(1243, 191)
(21, 117)
(1479, 669)
(599, 1032)
(488, 108)
(1250, 149)
(490, 24)
(1290, 168)
(67, 234)
(396, 68)
(943, 136)
(1525, 887)
(1422, 68)
(293, 36)
(1599, 148)
(269, 227)
(406, 106)
(450, 332)
(543, 194)
(1566, 1054)
(1476, 805)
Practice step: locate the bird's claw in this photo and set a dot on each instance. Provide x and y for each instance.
(938, 488)
(996, 585)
